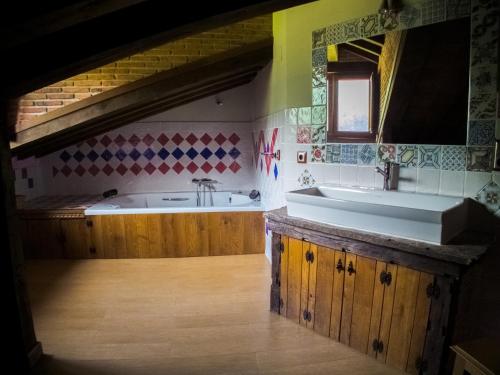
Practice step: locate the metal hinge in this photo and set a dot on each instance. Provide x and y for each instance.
(433, 290)
(421, 364)
(385, 278)
(378, 346)
(350, 268)
(90, 223)
(309, 256)
(307, 316)
(340, 267)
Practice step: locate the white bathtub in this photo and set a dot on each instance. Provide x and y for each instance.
(156, 203)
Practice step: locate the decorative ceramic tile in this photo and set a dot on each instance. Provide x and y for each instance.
(407, 156)
(304, 116)
(318, 134)
(457, 9)
(304, 134)
(369, 26)
(386, 153)
(483, 52)
(333, 152)
(291, 115)
(318, 153)
(319, 56)
(351, 29)
(429, 156)
(484, 32)
(319, 95)
(489, 195)
(453, 158)
(306, 179)
(319, 38)
(388, 21)
(319, 76)
(349, 154)
(482, 106)
(367, 154)
(334, 34)
(479, 158)
(432, 11)
(481, 133)
(410, 16)
(319, 115)
(483, 79)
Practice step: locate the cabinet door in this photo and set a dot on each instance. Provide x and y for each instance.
(324, 290)
(337, 294)
(294, 282)
(284, 275)
(348, 298)
(308, 284)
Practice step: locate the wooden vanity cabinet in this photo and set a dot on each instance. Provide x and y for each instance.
(376, 307)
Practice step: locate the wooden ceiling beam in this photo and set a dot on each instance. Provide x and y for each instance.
(359, 52)
(54, 56)
(79, 121)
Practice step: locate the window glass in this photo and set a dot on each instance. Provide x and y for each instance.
(353, 101)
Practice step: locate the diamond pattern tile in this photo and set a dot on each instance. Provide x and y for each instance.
(136, 169)
(121, 154)
(177, 139)
(191, 139)
(220, 139)
(178, 167)
(206, 139)
(192, 167)
(192, 153)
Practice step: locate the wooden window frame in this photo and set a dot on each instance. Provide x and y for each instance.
(352, 70)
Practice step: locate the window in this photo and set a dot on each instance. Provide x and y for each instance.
(353, 102)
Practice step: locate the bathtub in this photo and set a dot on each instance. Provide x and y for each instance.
(173, 202)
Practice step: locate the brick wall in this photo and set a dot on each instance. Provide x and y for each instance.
(141, 65)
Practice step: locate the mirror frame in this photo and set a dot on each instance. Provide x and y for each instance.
(483, 71)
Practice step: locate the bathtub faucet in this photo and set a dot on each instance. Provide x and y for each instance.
(207, 184)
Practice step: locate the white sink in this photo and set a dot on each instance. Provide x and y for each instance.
(421, 217)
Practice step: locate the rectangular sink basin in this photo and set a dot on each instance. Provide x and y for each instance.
(421, 217)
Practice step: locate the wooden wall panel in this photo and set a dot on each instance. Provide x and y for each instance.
(362, 303)
(74, 232)
(311, 288)
(304, 287)
(403, 314)
(378, 301)
(337, 294)
(347, 301)
(43, 239)
(136, 235)
(324, 289)
(295, 257)
(155, 236)
(284, 276)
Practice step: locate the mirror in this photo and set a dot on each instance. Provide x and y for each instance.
(408, 86)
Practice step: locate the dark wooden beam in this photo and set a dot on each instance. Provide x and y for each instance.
(364, 44)
(143, 98)
(358, 52)
(101, 40)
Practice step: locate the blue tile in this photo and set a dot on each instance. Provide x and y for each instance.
(78, 156)
(92, 155)
(134, 154)
(333, 153)
(453, 158)
(481, 133)
(192, 153)
(177, 153)
(120, 154)
(275, 171)
(163, 153)
(149, 154)
(349, 154)
(106, 155)
(65, 156)
(367, 154)
(220, 153)
(429, 156)
(206, 153)
(234, 153)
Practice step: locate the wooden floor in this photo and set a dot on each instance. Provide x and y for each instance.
(174, 316)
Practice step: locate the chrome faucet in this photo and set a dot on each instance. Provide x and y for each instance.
(391, 175)
(208, 184)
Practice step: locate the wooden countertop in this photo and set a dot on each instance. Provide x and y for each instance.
(58, 206)
(465, 249)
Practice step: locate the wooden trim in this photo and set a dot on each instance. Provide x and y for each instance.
(352, 70)
(369, 250)
(143, 98)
